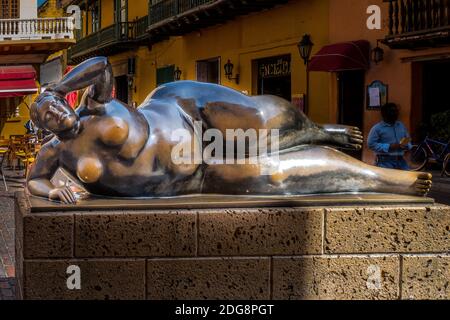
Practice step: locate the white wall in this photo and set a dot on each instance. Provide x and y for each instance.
(28, 9)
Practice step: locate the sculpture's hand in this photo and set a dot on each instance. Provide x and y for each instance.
(64, 194)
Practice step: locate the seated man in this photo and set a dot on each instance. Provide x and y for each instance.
(116, 150)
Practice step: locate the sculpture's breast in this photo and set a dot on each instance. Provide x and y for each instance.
(89, 169)
(113, 131)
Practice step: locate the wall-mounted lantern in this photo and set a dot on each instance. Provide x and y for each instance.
(229, 72)
(377, 53)
(130, 81)
(131, 72)
(177, 74)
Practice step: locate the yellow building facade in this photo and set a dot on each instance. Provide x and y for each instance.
(15, 122)
(262, 39)
(15, 112)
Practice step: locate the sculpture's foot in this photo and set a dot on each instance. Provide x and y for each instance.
(422, 183)
(404, 182)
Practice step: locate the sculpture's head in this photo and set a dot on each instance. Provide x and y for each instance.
(52, 112)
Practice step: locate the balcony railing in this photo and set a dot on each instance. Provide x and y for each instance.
(118, 32)
(165, 9)
(141, 26)
(178, 17)
(117, 37)
(35, 29)
(411, 20)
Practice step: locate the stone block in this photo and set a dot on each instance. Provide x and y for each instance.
(48, 235)
(100, 279)
(337, 277)
(426, 277)
(208, 278)
(384, 230)
(38, 235)
(135, 234)
(269, 231)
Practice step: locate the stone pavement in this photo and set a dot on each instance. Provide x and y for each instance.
(441, 188)
(7, 269)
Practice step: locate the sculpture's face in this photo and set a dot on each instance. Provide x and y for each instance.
(54, 114)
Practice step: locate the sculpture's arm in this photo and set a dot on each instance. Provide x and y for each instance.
(95, 73)
(45, 166)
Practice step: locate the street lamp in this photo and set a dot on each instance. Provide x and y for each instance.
(229, 71)
(305, 48)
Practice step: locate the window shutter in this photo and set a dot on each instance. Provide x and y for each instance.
(165, 75)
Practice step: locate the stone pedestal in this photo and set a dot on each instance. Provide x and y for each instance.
(362, 252)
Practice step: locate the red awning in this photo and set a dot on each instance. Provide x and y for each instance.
(71, 97)
(16, 81)
(344, 56)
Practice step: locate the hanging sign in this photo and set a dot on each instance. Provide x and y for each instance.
(275, 67)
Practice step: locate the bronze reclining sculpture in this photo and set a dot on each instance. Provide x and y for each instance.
(119, 151)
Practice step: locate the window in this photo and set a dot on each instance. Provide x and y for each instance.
(121, 88)
(164, 75)
(95, 15)
(274, 76)
(121, 15)
(9, 9)
(121, 11)
(208, 70)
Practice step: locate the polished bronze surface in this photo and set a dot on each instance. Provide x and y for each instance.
(116, 150)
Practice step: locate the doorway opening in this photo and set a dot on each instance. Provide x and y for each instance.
(122, 88)
(351, 86)
(274, 76)
(430, 91)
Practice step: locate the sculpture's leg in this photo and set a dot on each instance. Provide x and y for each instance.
(312, 170)
(270, 112)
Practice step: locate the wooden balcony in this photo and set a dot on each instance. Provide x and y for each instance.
(177, 17)
(114, 39)
(415, 24)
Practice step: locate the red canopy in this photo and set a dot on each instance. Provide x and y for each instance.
(16, 81)
(344, 56)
